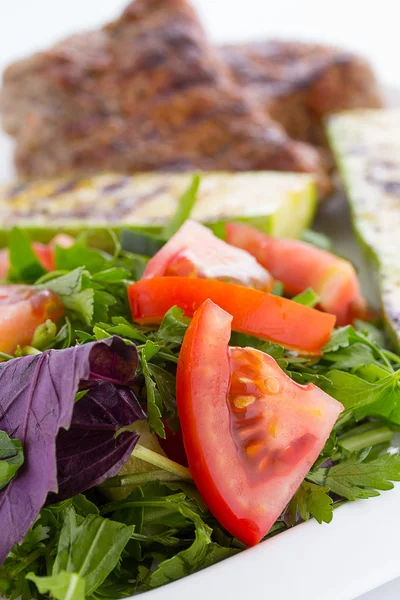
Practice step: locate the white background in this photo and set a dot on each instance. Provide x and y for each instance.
(369, 27)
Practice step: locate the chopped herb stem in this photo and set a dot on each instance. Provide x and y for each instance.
(121, 481)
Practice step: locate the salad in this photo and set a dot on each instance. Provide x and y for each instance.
(168, 404)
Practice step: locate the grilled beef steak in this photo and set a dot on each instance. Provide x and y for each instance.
(299, 84)
(146, 92)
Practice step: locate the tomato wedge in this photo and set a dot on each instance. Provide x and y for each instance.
(44, 252)
(299, 265)
(251, 434)
(194, 251)
(255, 313)
(22, 309)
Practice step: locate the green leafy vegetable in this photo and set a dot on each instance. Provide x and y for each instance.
(90, 547)
(313, 500)
(184, 209)
(64, 586)
(202, 553)
(354, 479)
(11, 458)
(24, 264)
(173, 326)
(317, 239)
(308, 298)
(153, 398)
(380, 399)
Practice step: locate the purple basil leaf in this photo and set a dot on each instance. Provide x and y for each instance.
(37, 395)
(117, 366)
(90, 452)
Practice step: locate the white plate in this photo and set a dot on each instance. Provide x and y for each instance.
(358, 551)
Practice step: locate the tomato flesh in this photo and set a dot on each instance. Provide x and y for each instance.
(251, 434)
(254, 312)
(194, 251)
(44, 252)
(299, 265)
(22, 309)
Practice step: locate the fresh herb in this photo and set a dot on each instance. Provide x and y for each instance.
(360, 478)
(184, 208)
(41, 404)
(308, 298)
(25, 265)
(11, 458)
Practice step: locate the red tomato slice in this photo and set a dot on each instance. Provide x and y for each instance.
(22, 309)
(251, 434)
(45, 253)
(299, 266)
(256, 313)
(194, 251)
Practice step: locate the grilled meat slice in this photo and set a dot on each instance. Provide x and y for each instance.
(146, 92)
(299, 84)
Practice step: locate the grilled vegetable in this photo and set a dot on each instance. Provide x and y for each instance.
(278, 203)
(367, 148)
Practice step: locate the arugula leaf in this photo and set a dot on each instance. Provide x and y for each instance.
(11, 458)
(141, 243)
(24, 264)
(308, 298)
(153, 399)
(64, 586)
(90, 547)
(202, 553)
(313, 500)
(173, 326)
(352, 479)
(166, 384)
(184, 209)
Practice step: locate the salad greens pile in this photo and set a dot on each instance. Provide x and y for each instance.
(83, 529)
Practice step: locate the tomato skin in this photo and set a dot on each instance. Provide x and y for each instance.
(245, 492)
(22, 309)
(44, 252)
(255, 313)
(299, 265)
(194, 251)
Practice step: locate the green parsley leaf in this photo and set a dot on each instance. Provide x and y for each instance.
(69, 288)
(380, 399)
(184, 209)
(313, 500)
(11, 458)
(353, 479)
(64, 586)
